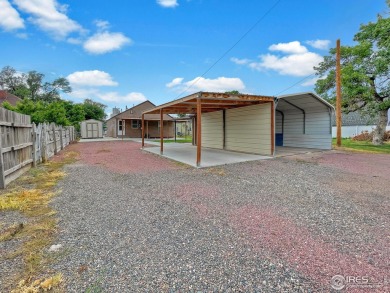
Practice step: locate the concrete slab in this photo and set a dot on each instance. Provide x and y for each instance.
(282, 151)
(186, 153)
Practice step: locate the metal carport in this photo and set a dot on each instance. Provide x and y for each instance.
(303, 120)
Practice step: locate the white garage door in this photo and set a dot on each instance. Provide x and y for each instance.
(248, 129)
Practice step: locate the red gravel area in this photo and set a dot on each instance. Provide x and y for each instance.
(309, 255)
(121, 157)
(359, 163)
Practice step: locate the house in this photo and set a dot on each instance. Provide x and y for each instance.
(252, 123)
(91, 128)
(354, 123)
(7, 97)
(128, 123)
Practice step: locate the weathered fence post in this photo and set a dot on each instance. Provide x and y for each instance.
(2, 176)
(34, 147)
(61, 139)
(54, 138)
(43, 143)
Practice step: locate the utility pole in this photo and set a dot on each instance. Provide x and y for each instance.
(338, 93)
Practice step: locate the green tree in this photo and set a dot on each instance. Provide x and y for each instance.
(233, 93)
(33, 85)
(94, 110)
(365, 74)
(11, 80)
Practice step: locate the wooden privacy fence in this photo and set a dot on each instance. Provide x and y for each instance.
(24, 144)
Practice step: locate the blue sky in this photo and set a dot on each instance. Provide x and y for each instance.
(123, 52)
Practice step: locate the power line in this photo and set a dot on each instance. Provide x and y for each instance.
(231, 48)
(295, 84)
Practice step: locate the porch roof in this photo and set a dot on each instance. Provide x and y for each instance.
(210, 102)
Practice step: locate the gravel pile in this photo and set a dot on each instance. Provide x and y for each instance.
(270, 226)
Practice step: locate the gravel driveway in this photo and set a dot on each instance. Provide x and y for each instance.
(131, 221)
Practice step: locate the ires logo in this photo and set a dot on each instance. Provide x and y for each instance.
(339, 282)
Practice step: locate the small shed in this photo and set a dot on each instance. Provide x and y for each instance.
(91, 128)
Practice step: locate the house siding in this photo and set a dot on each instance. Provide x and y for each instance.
(317, 129)
(212, 130)
(136, 114)
(248, 129)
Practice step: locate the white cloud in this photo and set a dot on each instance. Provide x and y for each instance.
(289, 48)
(294, 59)
(23, 36)
(102, 24)
(220, 84)
(175, 82)
(49, 16)
(9, 17)
(104, 42)
(168, 3)
(240, 61)
(310, 82)
(115, 97)
(294, 64)
(319, 44)
(91, 78)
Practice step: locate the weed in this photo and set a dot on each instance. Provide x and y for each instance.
(31, 195)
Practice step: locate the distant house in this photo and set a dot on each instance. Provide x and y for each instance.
(7, 97)
(128, 123)
(355, 123)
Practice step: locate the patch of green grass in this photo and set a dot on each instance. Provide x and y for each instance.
(363, 146)
(179, 140)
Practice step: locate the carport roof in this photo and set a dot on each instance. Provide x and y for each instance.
(303, 101)
(210, 101)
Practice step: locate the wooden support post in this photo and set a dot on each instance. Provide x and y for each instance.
(175, 130)
(198, 132)
(54, 138)
(123, 128)
(143, 130)
(193, 130)
(272, 128)
(161, 131)
(147, 129)
(338, 93)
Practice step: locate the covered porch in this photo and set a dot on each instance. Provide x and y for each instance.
(235, 137)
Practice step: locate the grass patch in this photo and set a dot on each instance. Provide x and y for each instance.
(362, 146)
(31, 195)
(177, 141)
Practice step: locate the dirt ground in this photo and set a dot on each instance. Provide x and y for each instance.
(135, 221)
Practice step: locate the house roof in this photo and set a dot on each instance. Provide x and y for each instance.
(8, 97)
(354, 119)
(136, 111)
(211, 101)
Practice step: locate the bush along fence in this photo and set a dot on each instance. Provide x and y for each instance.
(24, 145)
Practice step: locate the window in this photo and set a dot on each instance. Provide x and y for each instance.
(120, 125)
(134, 124)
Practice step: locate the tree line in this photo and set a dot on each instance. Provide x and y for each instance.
(42, 100)
(365, 74)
